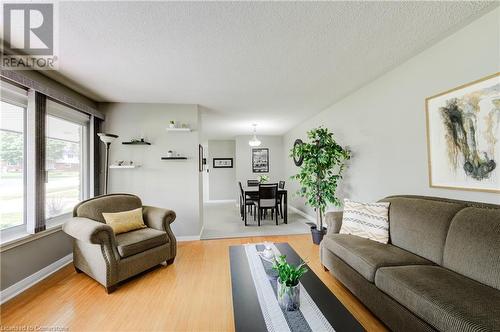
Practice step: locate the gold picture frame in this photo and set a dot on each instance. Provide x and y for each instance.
(478, 168)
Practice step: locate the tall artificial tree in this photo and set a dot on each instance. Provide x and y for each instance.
(321, 170)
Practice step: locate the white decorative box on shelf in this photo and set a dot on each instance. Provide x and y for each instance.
(179, 129)
(124, 166)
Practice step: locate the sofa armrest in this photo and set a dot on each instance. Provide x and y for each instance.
(90, 231)
(161, 219)
(334, 221)
(158, 218)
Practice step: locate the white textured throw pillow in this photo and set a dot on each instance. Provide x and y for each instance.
(368, 220)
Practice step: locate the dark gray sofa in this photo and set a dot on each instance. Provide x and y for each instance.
(440, 270)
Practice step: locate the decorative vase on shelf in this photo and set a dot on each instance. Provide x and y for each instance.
(288, 296)
(170, 154)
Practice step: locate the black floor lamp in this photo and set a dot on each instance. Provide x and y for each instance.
(107, 139)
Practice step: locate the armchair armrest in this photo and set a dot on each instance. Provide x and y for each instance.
(334, 221)
(90, 231)
(158, 218)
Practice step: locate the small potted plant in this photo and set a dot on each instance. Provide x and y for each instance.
(171, 124)
(263, 178)
(288, 283)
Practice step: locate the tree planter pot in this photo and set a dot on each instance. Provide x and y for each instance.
(317, 235)
(288, 297)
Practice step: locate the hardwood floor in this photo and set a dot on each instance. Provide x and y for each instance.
(193, 294)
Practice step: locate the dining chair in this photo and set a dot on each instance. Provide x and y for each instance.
(268, 200)
(253, 183)
(246, 202)
(281, 185)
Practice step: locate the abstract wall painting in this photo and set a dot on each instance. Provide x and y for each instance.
(463, 136)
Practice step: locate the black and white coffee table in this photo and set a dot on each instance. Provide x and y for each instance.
(255, 306)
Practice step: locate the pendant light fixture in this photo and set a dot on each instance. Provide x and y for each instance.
(254, 141)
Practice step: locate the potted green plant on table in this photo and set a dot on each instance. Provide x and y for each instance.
(288, 288)
(319, 174)
(263, 178)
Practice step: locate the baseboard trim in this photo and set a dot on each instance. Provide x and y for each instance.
(28, 282)
(190, 237)
(221, 201)
(302, 213)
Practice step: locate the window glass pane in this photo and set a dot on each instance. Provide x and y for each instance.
(11, 165)
(63, 165)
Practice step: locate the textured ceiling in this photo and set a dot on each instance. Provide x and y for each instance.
(273, 63)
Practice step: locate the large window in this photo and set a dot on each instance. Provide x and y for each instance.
(62, 168)
(12, 189)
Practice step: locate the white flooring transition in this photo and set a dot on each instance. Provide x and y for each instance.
(222, 220)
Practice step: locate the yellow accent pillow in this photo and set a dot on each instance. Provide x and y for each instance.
(126, 221)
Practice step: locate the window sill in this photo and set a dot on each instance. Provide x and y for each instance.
(20, 238)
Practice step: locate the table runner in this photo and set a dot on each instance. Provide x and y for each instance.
(307, 318)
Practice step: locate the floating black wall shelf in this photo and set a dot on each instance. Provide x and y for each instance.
(173, 158)
(136, 143)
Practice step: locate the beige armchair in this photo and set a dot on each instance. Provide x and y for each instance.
(110, 258)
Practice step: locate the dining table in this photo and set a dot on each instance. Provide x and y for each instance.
(253, 191)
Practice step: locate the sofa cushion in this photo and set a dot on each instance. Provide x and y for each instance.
(442, 298)
(420, 225)
(473, 245)
(366, 256)
(368, 220)
(134, 242)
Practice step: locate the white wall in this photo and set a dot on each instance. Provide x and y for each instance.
(244, 158)
(222, 181)
(383, 123)
(176, 185)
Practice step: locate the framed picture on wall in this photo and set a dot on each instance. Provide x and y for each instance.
(260, 160)
(463, 136)
(223, 162)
